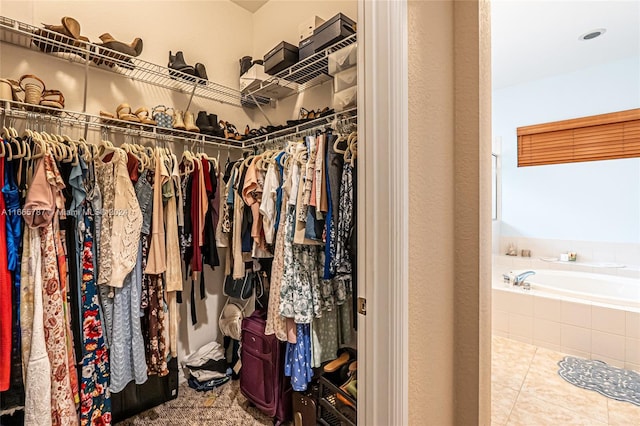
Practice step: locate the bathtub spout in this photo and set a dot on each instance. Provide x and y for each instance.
(520, 278)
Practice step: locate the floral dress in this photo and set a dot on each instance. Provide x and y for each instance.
(95, 398)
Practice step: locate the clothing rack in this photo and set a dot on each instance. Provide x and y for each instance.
(58, 117)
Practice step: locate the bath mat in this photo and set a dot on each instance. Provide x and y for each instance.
(612, 382)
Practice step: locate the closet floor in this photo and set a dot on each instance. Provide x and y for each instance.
(225, 406)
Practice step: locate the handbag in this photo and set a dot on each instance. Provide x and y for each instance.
(242, 288)
(162, 116)
(230, 320)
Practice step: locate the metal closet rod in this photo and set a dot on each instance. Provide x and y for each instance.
(348, 115)
(96, 122)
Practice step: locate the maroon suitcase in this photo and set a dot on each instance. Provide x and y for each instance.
(262, 379)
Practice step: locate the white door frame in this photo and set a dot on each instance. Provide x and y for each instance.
(383, 212)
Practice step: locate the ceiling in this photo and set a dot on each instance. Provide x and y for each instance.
(250, 5)
(536, 39)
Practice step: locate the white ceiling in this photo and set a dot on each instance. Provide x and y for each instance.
(536, 39)
(250, 5)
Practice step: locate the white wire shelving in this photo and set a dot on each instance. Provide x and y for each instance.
(303, 75)
(93, 55)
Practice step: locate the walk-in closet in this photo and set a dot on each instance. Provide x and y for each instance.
(179, 198)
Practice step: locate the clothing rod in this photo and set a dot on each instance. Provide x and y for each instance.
(73, 118)
(309, 126)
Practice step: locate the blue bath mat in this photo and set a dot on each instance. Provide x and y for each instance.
(612, 382)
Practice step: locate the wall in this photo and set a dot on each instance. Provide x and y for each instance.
(449, 213)
(592, 201)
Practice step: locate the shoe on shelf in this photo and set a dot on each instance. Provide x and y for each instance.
(217, 128)
(189, 124)
(203, 123)
(132, 49)
(177, 63)
(70, 27)
(124, 113)
(178, 121)
(143, 114)
(201, 72)
(245, 64)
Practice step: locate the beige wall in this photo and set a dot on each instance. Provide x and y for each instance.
(448, 219)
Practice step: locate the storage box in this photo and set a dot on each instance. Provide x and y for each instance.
(332, 31)
(344, 58)
(305, 48)
(280, 57)
(306, 28)
(251, 79)
(345, 99)
(345, 79)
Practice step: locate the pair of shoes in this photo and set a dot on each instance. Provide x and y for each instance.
(123, 112)
(36, 93)
(230, 131)
(209, 125)
(189, 73)
(246, 62)
(185, 121)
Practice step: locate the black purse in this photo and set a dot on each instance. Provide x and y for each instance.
(240, 288)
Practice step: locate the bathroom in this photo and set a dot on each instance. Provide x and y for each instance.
(545, 214)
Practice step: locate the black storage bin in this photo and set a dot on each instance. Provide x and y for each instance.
(280, 57)
(306, 48)
(332, 31)
(331, 410)
(135, 399)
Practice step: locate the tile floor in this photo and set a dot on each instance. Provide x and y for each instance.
(527, 390)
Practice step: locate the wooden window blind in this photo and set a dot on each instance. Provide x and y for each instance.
(599, 137)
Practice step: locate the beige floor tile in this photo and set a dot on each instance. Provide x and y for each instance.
(547, 385)
(623, 413)
(531, 411)
(546, 359)
(510, 362)
(503, 399)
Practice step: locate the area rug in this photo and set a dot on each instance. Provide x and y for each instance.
(612, 382)
(225, 406)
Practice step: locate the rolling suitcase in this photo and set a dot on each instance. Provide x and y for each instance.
(262, 379)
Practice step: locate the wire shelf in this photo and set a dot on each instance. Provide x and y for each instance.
(348, 115)
(307, 73)
(96, 56)
(54, 116)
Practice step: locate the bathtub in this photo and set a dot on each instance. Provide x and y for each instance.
(606, 289)
(595, 316)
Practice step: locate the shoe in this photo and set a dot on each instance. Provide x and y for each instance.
(189, 124)
(133, 49)
(218, 129)
(124, 113)
(203, 123)
(201, 72)
(67, 33)
(178, 121)
(177, 63)
(245, 64)
(143, 115)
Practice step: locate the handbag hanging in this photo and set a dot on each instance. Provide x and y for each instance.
(241, 288)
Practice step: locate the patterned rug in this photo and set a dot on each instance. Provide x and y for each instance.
(612, 382)
(224, 406)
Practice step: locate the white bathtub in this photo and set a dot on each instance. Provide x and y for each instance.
(606, 289)
(594, 316)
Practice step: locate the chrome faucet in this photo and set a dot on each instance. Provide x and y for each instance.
(520, 278)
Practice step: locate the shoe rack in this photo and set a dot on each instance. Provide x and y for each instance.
(92, 56)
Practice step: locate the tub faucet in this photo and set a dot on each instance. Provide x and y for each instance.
(519, 279)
